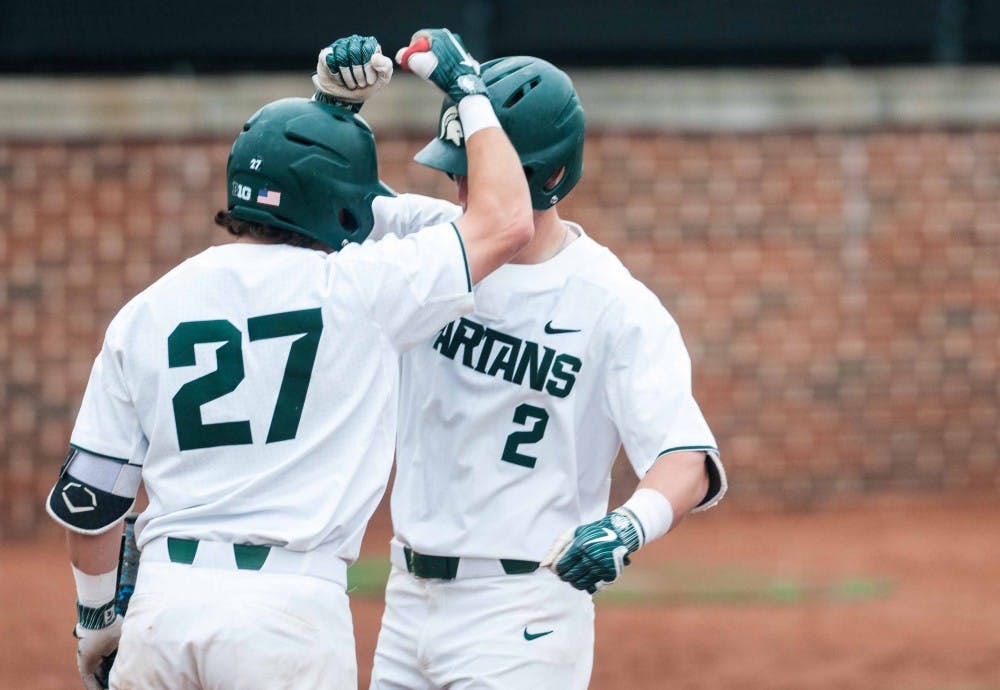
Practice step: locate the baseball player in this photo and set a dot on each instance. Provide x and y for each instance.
(510, 420)
(253, 391)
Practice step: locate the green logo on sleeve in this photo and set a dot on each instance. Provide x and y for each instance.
(534, 636)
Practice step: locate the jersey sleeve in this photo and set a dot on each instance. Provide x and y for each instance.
(108, 423)
(99, 480)
(650, 397)
(412, 286)
(405, 214)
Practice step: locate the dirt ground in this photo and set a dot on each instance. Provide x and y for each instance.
(934, 624)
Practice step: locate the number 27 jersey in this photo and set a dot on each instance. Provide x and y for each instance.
(257, 385)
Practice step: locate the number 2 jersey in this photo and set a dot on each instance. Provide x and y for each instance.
(511, 417)
(256, 386)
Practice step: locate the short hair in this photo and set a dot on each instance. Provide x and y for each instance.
(260, 231)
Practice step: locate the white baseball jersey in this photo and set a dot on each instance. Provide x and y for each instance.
(511, 417)
(257, 385)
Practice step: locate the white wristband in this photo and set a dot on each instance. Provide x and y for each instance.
(95, 590)
(476, 113)
(653, 511)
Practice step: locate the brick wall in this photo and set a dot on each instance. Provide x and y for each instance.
(838, 291)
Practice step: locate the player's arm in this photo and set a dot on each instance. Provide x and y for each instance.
(593, 555)
(98, 628)
(87, 500)
(415, 285)
(667, 440)
(681, 478)
(92, 495)
(349, 71)
(497, 221)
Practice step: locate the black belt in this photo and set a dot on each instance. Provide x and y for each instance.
(445, 567)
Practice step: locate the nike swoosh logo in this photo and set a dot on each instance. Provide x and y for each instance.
(534, 636)
(555, 331)
(467, 59)
(609, 535)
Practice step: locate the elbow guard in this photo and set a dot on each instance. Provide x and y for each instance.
(93, 492)
(717, 482)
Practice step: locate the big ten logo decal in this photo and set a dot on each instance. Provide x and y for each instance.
(241, 191)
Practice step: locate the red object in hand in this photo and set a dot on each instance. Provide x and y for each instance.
(421, 45)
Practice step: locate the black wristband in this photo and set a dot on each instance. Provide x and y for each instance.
(95, 619)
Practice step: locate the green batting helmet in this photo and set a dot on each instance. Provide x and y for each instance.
(306, 166)
(538, 108)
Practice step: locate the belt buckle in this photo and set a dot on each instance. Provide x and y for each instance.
(430, 567)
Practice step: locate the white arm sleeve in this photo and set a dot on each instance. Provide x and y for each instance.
(405, 214)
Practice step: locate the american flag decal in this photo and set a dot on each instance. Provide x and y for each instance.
(269, 197)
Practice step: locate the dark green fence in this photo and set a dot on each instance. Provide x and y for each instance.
(40, 36)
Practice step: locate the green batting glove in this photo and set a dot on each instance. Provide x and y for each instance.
(593, 555)
(438, 56)
(350, 70)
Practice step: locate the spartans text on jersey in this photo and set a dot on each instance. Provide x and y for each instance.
(498, 354)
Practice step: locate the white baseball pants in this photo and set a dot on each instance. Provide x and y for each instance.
(191, 628)
(505, 632)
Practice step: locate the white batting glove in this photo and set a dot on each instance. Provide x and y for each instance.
(351, 70)
(93, 644)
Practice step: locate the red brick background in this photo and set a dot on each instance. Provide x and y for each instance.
(838, 291)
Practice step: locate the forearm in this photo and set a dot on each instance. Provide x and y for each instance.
(497, 222)
(681, 478)
(95, 569)
(593, 555)
(496, 182)
(95, 554)
(671, 489)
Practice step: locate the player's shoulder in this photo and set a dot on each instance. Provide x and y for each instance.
(230, 269)
(153, 293)
(602, 273)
